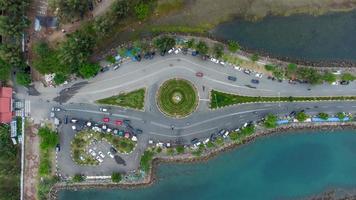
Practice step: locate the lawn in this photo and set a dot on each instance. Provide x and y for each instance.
(177, 98)
(134, 99)
(82, 140)
(220, 99)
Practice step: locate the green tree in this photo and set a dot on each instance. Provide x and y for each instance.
(76, 50)
(291, 70)
(11, 54)
(4, 70)
(191, 43)
(202, 48)
(255, 57)
(141, 11)
(180, 149)
(270, 67)
(309, 74)
(278, 73)
(323, 116)
(116, 177)
(329, 77)
(120, 8)
(270, 121)
(233, 46)
(69, 9)
(248, 130)
(88, 70)
(218, 50)
(78, 178)
(341, 115)
(59, 78)
(348, 77)
(170, 151)
(234, 135)
(23, 78)
(164, 43)
(301, 116)
(46, 60)
(103, 25)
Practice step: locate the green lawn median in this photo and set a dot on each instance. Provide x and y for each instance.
(134, 99)
(221, 99)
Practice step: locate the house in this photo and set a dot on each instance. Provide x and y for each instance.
(6, 111)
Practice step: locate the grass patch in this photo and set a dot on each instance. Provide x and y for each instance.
(134, 99)
(220, 99)
(166, 7)
(145, 162)
(180, 29)
(177, 98)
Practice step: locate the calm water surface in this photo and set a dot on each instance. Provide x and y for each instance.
(278, 167)
(326, 37)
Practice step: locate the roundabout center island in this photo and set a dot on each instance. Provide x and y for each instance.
(177, 98)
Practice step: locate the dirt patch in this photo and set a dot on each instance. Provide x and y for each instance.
(31, 162)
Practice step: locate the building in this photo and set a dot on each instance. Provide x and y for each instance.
(6, 112)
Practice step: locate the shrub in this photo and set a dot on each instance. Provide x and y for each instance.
(270, 121)
(180, 149)
(78, 178)
(323, 116)
(218, 50)
(341, 115)
(255, 57)
(329, 77)
(301, 116)
(146, 159)
(233, 46)
(202, 48)
(234, 136)
(60, 78)
(110, 58)
(116, 177)
(347, 77)
(23, 79)
(270, 67)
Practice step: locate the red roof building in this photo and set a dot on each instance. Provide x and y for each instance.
(5, 104)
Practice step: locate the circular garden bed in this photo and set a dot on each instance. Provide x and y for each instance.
(177, 98)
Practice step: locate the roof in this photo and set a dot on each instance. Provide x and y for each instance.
(5, 104)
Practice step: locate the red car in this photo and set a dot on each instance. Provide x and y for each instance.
(199, 74)
(118, 122)
(106, 119)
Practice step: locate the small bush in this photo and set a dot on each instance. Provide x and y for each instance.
(116, 177)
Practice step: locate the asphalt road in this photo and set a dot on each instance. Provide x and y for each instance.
(78, 102)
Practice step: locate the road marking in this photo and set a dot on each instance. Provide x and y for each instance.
(191, 133)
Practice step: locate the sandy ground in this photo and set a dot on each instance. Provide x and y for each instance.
(31, 163)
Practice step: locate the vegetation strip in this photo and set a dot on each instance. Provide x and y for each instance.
(220, 99)
(134, 99)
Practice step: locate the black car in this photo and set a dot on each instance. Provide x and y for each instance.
(139, 131)
(213, 137)
(58, 148)
(126, 122)
(147, 55)
(138, 57)
(113, 150)
(293, 113)
(232, 78)
(255, 81)
(104, 69)
(194, 141)
(344, 82)
(250, 86)
(66, 120)
(185, 51)
(195, 53)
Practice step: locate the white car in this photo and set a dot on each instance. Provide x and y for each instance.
(56, 109)
(159, 144)
(110, 154)
(245, 124)
(335, 83)
(171, 50)
(101, 154)
(168, 145)
(96, 129)
(222, 63)
(99, 159)
(73, 120)
(104, 127)
(214, 60)
(177, 51)
(103, 109)
(134, 138)
(226, 134)
(237, 130)
(88, 124)
(237, 68)
(206, 141)
(92, 152)
(150, 141)
(196, 145)
(108, 130)
(258, 75)
(74, 127)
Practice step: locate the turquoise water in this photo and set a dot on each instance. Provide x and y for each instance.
(325, 37)
(277, 167)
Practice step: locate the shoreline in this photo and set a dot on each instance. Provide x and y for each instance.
(151, 177)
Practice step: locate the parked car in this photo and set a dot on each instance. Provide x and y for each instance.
(222, 63)
(74, 127)
(88, 124)
(344, 82)
(104, 69)
(194, 141)
(103, 109)
(258, 75)
(213, 137)
(199, 74)
(226, 134)
(176, 51)
(58, 148)
(74, 120)
(92, 152)
(99, 159)
(237, 68)
(214, 60)
(66, 120)
(255, 81)
(56, 109)
(113, 150)
(101, 154)
(139, 131)
(126, 122)
(222, 132)
(117, 66)
(195, 53)
(171, 51)
(118, 122)
(106, 119)
(246, 71)
(110, 154)
(231, 78)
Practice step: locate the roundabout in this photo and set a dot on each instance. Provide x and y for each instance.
(177, 98)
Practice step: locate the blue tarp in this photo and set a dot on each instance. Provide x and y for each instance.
(132, 53)
(279, 122)
(330, 119)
